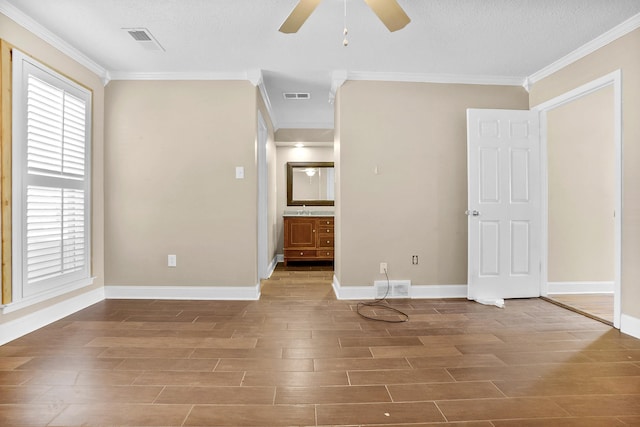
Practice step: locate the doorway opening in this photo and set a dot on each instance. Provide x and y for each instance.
(582, 227)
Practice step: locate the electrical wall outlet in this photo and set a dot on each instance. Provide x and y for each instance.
(383, 268)
(172, 261)
(414, 259)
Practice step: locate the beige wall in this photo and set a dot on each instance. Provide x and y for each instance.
(415, 135)
(581, 174)
(32, 45)
(286, 154)
(619, 54)
(172, 149)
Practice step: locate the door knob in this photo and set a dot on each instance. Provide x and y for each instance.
(472, 213)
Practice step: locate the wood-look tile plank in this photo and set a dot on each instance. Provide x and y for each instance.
(146, 352)
(395, 414)
(9, 363)
(160, 364)
(185, 378)
(22, 394)
(108, 414)
(251, 415)
(101, 378)
(601, 405)
(400, 376)
(70, 363)
(443, 391)
(334, 394)
(465, 360)
(24, 414)
(563, 422)
(499, 409)
(269, 365)
(543, 357)
(294, 379)
(216, 395)
(353, 364)
(98, 394)
(415, 351)
(380, 342)
(326, 353)
(554, 386)
(578, 370)
(164, 342)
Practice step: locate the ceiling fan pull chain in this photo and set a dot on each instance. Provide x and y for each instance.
(345, 42)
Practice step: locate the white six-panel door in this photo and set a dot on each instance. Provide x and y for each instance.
(504, 204)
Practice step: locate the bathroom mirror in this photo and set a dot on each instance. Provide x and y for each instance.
(310, 183)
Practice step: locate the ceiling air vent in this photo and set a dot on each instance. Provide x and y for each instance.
(296, 95)
(144, 38)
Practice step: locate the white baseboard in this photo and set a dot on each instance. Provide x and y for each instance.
(272, 266)
(183, 292)
(630, 325)
(279, 257)
(368, 292)
(438, 291)
(353, 292)
(13, 329)
(580, 288)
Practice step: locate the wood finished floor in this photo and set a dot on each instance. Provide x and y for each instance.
(298, 357)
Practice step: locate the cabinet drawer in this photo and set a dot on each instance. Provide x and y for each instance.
(325, 254)
(299, 253)
(325, 221)
(325, 229)
(325, 241)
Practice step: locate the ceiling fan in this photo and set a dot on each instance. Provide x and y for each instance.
(389, 12)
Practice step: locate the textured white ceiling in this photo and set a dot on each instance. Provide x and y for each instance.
(475, 38)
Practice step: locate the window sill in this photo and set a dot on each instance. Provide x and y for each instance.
(47, 295)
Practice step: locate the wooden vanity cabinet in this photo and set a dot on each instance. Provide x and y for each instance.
(308, 238)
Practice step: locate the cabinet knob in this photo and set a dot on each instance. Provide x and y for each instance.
(301, 253)
(328, 241)
(328, 223)
(327, 231)
(314, 231)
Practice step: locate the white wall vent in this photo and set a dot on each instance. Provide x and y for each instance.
(296, 95)
(144, 38)
(397, 288)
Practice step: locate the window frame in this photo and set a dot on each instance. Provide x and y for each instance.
(24, 293)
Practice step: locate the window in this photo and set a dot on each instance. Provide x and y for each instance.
(51, 180)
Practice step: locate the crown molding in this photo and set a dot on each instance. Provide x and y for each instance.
(34, 27)
(599, 42)
(437, 78)
(256, 78)
(125, 75)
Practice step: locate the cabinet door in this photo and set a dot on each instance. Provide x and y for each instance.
(300, 233)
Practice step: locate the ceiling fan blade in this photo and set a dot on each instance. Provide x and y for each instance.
(298, 15)
(390, 13)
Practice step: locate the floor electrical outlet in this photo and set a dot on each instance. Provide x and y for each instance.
(383, 268)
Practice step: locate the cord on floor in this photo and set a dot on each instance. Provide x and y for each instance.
(381, 303)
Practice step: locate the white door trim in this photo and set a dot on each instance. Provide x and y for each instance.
(613, 79)
(263, 200)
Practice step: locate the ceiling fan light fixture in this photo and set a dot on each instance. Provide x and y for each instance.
(388, 11)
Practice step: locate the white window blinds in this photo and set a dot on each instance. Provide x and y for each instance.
(51, 141)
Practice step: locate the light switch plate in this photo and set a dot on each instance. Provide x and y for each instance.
(239, 172)
(172, 261)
